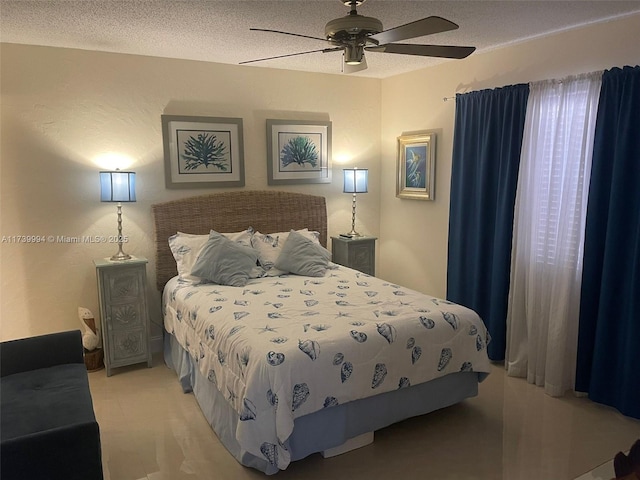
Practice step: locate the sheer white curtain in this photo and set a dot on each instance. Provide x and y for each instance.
(548, 234)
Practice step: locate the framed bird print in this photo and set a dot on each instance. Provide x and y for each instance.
(416, 166)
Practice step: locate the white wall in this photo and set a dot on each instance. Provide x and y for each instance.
(62, 109)
(414, 234)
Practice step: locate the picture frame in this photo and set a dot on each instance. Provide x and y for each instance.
(298, 152)
(416, 166)
(202, 152)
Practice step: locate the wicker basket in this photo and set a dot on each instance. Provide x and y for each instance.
(93, 360)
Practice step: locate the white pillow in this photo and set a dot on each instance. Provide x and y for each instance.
(186, 248)
(270, 245)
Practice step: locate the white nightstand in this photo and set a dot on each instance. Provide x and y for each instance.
(124, 317)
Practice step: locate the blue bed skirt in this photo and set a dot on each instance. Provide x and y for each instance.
(331, 427)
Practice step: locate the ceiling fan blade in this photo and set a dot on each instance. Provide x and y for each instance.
(444, 51)
(323, 50)
(419, 28)
(286, 33)
(346, 68)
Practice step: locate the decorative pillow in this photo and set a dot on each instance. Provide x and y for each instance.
(300, 255)
(186, 247)
(225, 262)
(269, 247)
(243, 238)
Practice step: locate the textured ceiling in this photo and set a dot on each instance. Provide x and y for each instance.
(218, 31)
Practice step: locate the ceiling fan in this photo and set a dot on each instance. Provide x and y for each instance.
(354, 34)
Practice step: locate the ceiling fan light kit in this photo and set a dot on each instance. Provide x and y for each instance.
(354, 34)
(353, 55)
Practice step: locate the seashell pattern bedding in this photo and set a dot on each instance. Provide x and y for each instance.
(283, 347)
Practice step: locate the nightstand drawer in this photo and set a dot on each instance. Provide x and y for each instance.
(123, 316)
(125, 285)
(358, 253)
(128, 346)
(362, 257)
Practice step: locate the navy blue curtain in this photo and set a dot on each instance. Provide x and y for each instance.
(608, 365)
(486, 157)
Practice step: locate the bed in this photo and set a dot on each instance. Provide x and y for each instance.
(289, 365)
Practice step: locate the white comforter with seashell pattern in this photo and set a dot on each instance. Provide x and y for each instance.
(284, 347)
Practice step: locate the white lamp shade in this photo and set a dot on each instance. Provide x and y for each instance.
(355, 180)
(117, 186)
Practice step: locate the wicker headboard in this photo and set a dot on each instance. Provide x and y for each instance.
(266, 211)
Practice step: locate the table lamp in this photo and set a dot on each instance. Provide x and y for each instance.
(355, 181)
(117, 186)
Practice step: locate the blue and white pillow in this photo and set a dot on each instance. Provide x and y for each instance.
(270, 245)
(302, 256)
(225, 262)
(186, 247)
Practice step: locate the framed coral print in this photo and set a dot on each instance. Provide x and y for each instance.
(298, 152)
(202, 152)
(416, 166)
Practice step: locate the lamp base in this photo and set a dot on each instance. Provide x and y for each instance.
(351, 234)
(120, 256)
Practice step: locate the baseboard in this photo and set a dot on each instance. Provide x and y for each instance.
(156, 344)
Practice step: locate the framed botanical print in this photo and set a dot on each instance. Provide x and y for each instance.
(416, 166)
(202, 152)
(298, 151)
